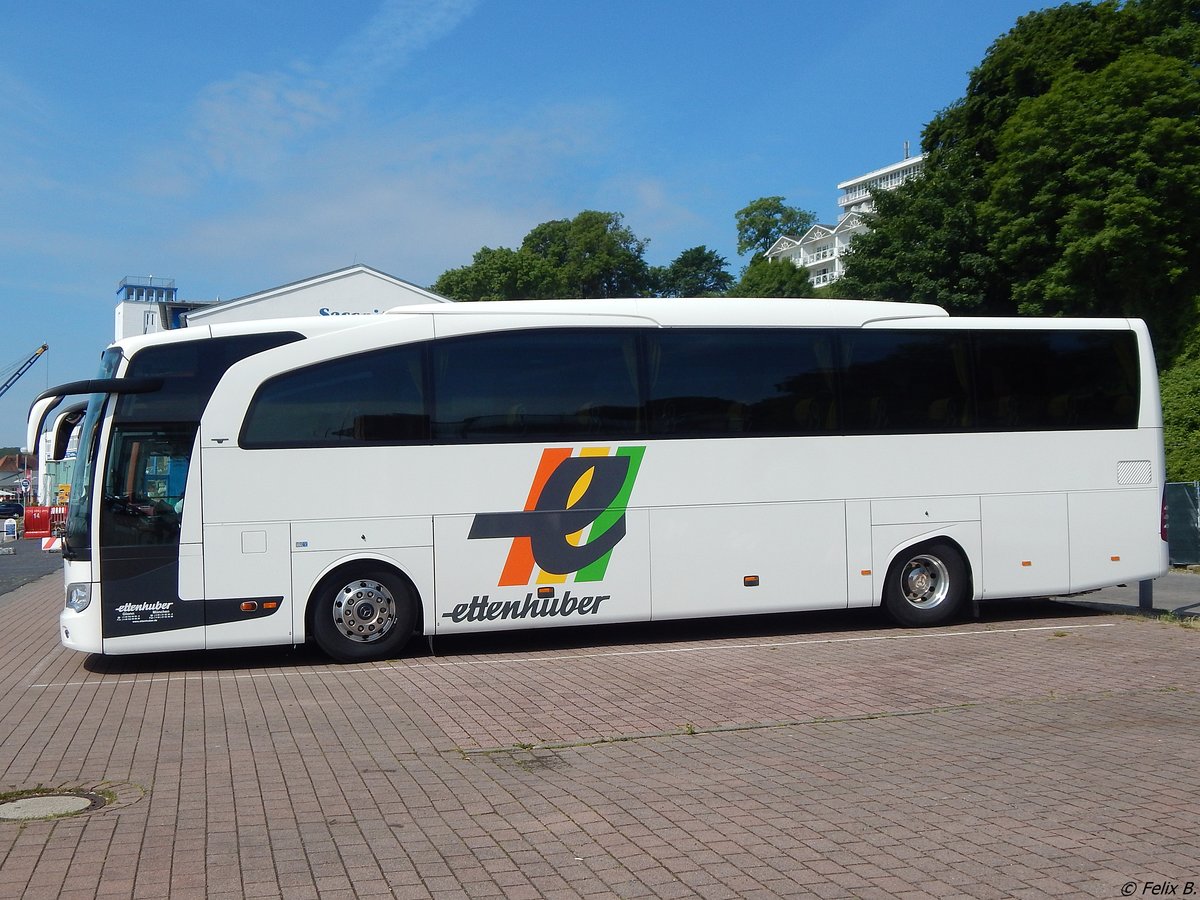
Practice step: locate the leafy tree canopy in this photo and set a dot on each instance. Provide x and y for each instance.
(595, 255)
(765, 220)
(1181, 420)
(1095, 192)
(925, 246)
(773, 278)
(696, 272)
(1065, 181)
(591, 255)
(1024, 63)
(500, 274)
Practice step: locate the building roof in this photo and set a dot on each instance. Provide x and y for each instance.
(912, 162)
(199, 315)
(850, 222)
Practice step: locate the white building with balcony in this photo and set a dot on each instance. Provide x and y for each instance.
(822, 247)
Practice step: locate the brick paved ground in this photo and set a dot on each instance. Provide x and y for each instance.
(1045, 751)
(25, 563)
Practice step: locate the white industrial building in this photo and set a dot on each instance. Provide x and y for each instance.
(148, 304)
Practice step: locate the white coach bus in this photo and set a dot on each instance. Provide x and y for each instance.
(479, 466)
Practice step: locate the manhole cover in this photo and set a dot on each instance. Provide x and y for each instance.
(49, 805)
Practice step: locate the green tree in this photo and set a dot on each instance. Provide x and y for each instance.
(594, 255)
(761, 223)
(500, 274)
(928, 242)
(925, 246)
(591, 255)
(1181, 419)
(1024, 63)
(696, 272)
(1064, 182)
(773, 278)
(1094, 195)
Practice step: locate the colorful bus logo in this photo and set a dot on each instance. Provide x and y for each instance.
(572, 520)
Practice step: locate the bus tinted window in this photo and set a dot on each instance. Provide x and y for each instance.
(371, 398)
(730, 382)
(190, 370)
(897, 382)
(1056, 380)
(536, 385)
(564, 384)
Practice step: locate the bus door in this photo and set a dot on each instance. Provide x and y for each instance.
(140, 503)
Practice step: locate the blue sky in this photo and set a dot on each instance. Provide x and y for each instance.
(236, 146)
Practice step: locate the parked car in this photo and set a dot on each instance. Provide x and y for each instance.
(11, 510)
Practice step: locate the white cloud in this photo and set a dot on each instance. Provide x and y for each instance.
(247, 125)
(289, 172)
(25, 119)
(20, 104)
(402, 225)
(413, 199)
(658, 208)
(398, 29)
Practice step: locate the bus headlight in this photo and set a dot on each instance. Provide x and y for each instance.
(79, 596)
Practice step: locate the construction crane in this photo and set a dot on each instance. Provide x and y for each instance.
(23, 368)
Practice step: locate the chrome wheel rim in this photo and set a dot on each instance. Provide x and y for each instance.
(364, 611)
(925, 582)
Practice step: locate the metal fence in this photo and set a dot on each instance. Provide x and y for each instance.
(1183, 522)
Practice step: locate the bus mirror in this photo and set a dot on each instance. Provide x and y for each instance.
(37, 415)
(61, 431)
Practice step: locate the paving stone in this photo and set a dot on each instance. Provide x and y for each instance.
(1046, 749)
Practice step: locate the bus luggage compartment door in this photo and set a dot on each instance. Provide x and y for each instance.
(247, 583)
(1026, 550)
(750, 558)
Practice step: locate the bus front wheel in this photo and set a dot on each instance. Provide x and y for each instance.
(363, 615)
(926, 585)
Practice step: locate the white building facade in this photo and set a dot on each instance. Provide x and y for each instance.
(149, 304)
(821, 249)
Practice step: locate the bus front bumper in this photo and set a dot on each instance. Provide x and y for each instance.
(79, 624)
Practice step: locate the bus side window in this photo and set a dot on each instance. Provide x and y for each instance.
(1056, 380)
(906, 382)
(734, 382)
(552, 384)
(371, 398)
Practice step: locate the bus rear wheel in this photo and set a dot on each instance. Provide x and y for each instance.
(363, 615)
(926, 585)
